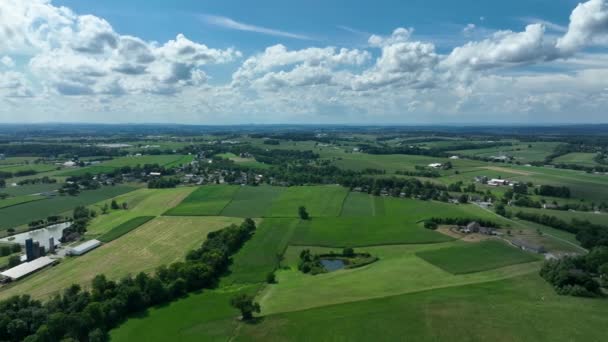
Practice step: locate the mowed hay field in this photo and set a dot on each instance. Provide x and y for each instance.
(485, 255)
(398, 270)
(578, 158)
(158, 242)
(207, 200)
(523, 308)
(141, 202)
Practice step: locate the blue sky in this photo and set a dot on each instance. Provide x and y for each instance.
(304, 61)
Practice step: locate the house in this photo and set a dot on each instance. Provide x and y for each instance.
(549, 206)
(454, 157)
(473, 227)
(155, 174)
(435, 165)
(69, 164)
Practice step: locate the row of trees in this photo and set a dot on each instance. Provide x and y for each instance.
(578, 275)
(87, 315)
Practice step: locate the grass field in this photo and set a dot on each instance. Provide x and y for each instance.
(158, 242)
(482, 256)
(399, 270)
(207, 200)
(250, 201)
(578, 158)
(205, 316)
(141, 202)
(17, 160)
(358, 204)
(161, 160)
(39, 168)
(567, 216)
(30, 189)
(11, 201)
(523, 308)
(27, 212)
(259, 256)
(519, 151)
(124, 228)
(245, 162)
(318, 200)
(94, 170)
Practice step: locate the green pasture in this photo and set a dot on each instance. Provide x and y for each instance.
(252, 201)
(482, 256)
(124, 228)
(38, 168)
(29, 189)
(578, 158)
(318, 200)
(208, 200)
(11, 201)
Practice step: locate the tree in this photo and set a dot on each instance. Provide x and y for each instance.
(463, 198)
(348, 252)
(105, 209)
(246, 305)
(114, 205)
(14, 261)
(303, 213)
(271, 278)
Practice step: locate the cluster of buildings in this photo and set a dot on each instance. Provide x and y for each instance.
(493, 181)
(475, 227)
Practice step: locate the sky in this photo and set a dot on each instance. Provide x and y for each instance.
(304, 62)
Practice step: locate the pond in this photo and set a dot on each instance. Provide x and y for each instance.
(333, 264)
(41, 235)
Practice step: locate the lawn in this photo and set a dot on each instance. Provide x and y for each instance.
(318, 200)
(124, 228)
(482, 256)
(205, 316)
(252, 201)
(259, 255)
(27, 212)
(399, 270)
(158, 242)
(208, 200)
(523, 308)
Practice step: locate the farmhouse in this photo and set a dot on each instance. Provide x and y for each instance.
(155, 174)
(69, 164)
(84, 247)
(498, 182)
(475, 227)
(26, 268)
(435, 165)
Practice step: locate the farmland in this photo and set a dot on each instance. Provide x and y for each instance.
(158, 242)
(383, 252)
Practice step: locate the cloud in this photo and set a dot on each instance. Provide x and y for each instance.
(549, 25)
(7, 62)
(588, 25)
(503, 48)
(231, 24)
(468, 29)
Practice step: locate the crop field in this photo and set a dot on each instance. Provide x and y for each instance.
(38, 168)
(189, 319)
(359, 204)
(207, 200)
(578, 158)
(485, 255)
(158, 242)
(259, 256)
(17, 160)
(94, 170)
(124, 228)
(397, 162)
(252, 201)
(523, 308)
(318, 200)
(141, 202)
(399, 270)
(520, 152)
(11, 201)
(27, 212)
(161, 160)
(601, 218)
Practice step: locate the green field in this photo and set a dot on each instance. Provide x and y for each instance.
(27, 212)
(30, 189)
(17, 160)
(252, 201)
(359, 204)
(161, 241)
(601, 218)
(141, 202)
(205, 316)
(523, 308)
(39, 168)
(519, 151)
(399, 270)
(11, 201)
(259, 256)
(207, 200)
(578, 158)
(318, 200)
(245, 162)
(482, 256)
(162, 160)
(124, 228)
(94, 170)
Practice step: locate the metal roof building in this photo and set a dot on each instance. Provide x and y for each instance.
(84, 247)
(26, 268)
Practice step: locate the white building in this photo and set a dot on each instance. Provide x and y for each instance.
(26, 268)
(84, 247)
(69, 164)
(498, 182)
(435, 165)
(155, 174)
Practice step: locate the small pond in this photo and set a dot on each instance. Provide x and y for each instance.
(333, 264)
(41, 235)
